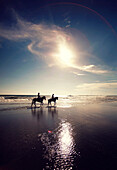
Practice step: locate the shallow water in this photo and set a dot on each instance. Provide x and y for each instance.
(82, 136)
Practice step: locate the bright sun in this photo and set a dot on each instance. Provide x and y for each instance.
(65, 55)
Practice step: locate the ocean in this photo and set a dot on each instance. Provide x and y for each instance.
(64, 101)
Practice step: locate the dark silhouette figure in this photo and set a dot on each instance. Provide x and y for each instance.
(39, 95)
(38, 100)
(52, 100)
(52, 96)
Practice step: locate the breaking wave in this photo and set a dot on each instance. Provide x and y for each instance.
(70, 99)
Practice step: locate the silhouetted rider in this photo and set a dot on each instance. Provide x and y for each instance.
(39, 95)
(52, 96)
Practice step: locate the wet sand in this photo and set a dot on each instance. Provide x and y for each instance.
(80, 137)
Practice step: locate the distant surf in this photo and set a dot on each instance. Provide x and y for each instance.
(8, 102)
(70, 98)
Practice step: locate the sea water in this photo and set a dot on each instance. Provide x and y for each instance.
(63, 101)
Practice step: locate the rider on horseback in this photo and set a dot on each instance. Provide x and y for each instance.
(39, 95)
(52, 96)
(39, 99)
(53, 99)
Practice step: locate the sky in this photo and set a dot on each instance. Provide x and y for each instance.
(61, 47)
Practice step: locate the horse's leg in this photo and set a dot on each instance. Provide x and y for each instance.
(32, 103)
(49, 103)
(35, 103)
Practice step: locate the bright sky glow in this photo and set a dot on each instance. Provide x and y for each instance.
(65, 55)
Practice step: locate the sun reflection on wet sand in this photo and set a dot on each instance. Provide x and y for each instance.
(65, 140)
(59, 147)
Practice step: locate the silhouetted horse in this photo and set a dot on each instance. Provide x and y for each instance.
(38, 100)
(52, 100)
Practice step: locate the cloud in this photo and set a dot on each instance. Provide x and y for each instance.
(67, 26)
(98, 88)
(57, 46)
(78, 74)
(91, 68)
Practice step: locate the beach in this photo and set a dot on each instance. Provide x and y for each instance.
(79, 133)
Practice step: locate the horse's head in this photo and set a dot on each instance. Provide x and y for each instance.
(56, 98)
(44, 97)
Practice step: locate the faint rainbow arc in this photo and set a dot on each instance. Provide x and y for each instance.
(76, 4)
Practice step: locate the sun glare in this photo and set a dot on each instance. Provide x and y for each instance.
(64, 55)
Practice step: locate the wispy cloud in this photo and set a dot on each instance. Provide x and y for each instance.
(56, 45)
(78, 74)
(97, 88)
(91, 68)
